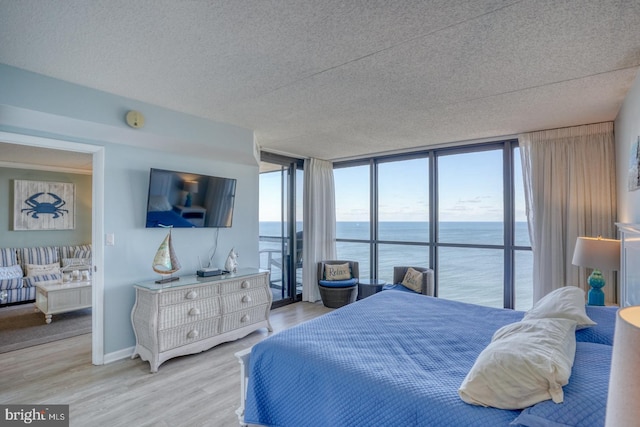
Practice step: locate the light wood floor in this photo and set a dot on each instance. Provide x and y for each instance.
(196, 390)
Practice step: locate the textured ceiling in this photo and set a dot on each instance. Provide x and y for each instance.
(337, 79)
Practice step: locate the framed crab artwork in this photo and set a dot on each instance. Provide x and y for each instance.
(40, 205)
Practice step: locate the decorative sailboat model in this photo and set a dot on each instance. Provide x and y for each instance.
(166, 262)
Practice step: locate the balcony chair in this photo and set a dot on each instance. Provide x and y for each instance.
(340, 292)
(423, 285)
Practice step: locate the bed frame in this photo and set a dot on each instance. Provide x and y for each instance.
(243, 358)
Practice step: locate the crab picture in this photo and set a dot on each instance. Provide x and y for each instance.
(37, 207)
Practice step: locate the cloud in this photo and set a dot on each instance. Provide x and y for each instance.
(477, 199)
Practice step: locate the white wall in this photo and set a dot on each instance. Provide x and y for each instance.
(627, 130)
(31, 104)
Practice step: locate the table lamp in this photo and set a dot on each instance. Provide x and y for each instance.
(599, 254)
(190, 187)
(624, 388)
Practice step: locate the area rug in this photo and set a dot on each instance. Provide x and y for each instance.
(21, 326)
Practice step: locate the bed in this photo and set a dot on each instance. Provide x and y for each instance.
(398, 359)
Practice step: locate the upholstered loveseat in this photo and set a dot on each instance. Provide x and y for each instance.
(22, 268)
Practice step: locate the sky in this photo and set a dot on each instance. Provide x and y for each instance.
(470, 189)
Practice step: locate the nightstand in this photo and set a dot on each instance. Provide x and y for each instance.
(194, 214)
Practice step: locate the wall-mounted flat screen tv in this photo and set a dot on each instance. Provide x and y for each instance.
(181, 199)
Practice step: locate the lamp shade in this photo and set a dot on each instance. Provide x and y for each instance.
(191, 186)
(624, 388)
(596, 252)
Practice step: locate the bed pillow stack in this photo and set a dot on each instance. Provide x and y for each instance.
(563, 303)
(529, 361)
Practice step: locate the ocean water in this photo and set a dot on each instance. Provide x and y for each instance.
(472, 275)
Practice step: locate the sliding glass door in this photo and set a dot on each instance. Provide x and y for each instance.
(281, 225)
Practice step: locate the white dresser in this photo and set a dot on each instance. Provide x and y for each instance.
(194, 313)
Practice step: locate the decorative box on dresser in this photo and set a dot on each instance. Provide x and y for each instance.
(630, 264)
(195, 313)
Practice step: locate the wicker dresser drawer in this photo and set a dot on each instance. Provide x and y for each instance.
(243, 284)
(185, 334)
(241, 300)
(194, 313)
(188, 294)
(171, 316)
(243, 318)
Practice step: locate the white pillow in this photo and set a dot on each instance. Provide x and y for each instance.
(159, 203)
(565, 303)
(526, 362)
(337, 271)
(42, 269)
(76, 262)
(11, 272)
(413, 280)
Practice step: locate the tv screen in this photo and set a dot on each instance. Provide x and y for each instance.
(180, 199)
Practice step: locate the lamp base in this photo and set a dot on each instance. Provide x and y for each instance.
(596, 295)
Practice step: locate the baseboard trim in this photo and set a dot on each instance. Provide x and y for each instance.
(118, 355)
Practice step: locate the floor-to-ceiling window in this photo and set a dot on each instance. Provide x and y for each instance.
(353, 215)
(458, 210)
(280, 214)
(402, 214)
(471, 226)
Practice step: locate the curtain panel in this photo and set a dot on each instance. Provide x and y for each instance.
(319, 223)
(569, 182)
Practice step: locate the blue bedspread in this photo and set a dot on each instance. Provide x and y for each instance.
(392, 359)
(603, 332)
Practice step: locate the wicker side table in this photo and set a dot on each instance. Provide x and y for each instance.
(368, 287)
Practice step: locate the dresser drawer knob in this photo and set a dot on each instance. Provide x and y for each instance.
(244, 285)
(246, 298)
(245, 318)
(192, 334)
(192, 295)
(194, 311)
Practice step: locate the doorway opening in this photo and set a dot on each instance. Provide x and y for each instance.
(96, 154)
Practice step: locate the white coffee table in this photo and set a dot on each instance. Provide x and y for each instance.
(54, 298)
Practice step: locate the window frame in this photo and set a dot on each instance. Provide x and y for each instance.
(508, 246)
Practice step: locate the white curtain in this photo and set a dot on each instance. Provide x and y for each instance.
(319, 225)
(569, 182)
